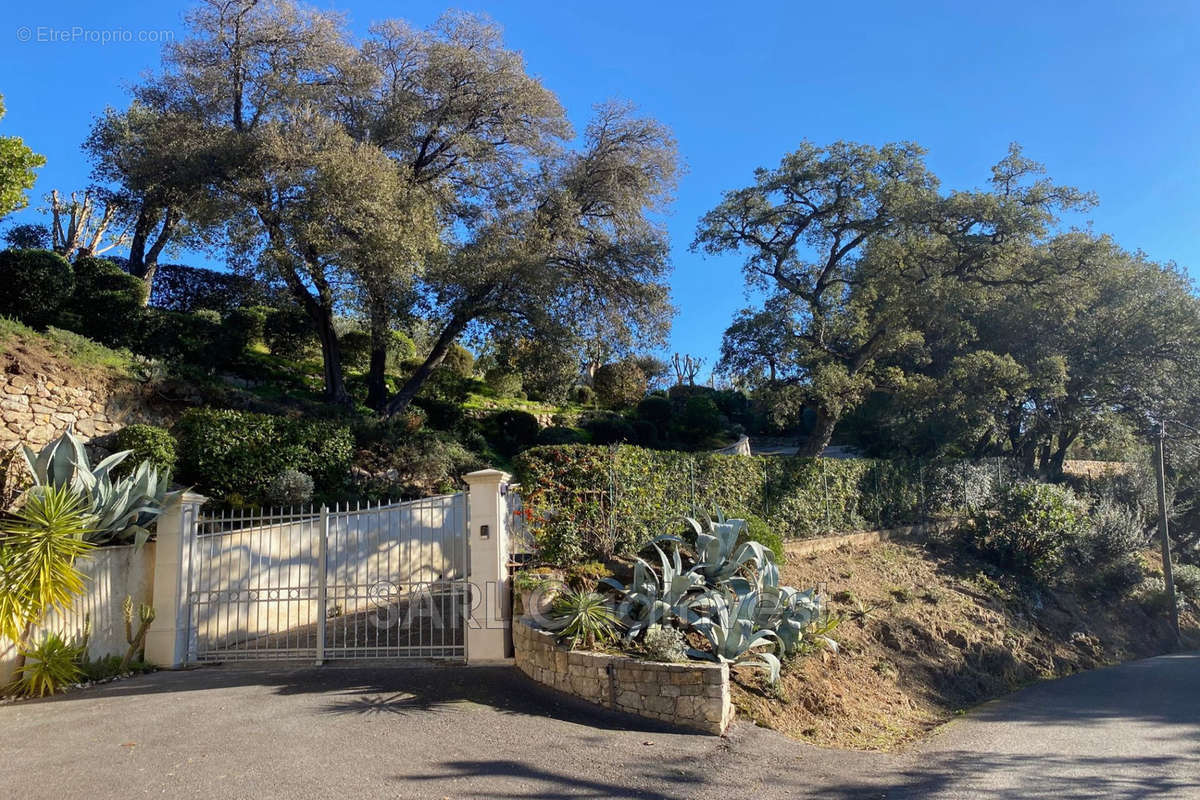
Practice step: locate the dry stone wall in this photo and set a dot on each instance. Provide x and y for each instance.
(694, 695)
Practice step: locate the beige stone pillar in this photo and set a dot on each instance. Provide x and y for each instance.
(489, 635)
(167, 642)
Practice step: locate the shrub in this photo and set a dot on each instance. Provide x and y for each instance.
(610, 430)
(1187, 581)
(247, 325)
(290, 488)
(187, 289)
(1111, 532)
(503, 382)
(423, 463)
(446, 384)
(107, 302)
(1028, 528)
(700, 419)
(645, 433)
(620, 384)
(356, 349)
(459, 360)
(288, 332)
(441, 414)
(225, 452)
(560, 435)
(148, 443)
(585, 395)
(36, 283)
(512, 431)
(656, 410)
(757, 530)
(664, 644)
(50, 666)
(201, 338)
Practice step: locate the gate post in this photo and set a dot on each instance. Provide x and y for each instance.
(489, 637)
(168, 638)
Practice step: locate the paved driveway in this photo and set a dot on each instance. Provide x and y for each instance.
(1132, 731)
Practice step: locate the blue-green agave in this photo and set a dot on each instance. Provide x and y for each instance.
(650, 600)
(731, 626)
(123, 507)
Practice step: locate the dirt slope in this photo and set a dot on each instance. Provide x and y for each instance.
(925, 636)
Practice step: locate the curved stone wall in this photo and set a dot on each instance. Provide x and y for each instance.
(692, 695)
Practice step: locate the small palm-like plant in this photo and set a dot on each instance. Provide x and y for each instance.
(50, 665)
(583, 618)
(39, 545)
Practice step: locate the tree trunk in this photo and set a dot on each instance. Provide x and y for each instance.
(1054, 468)
(822, 432)
(377, 375)
(143, 260)
(331, 357)
(403, 398)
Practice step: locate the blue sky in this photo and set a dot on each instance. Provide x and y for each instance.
(1104, 93)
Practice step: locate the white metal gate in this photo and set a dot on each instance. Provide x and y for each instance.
(385, 581)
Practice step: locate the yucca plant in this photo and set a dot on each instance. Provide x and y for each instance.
(50, 666)
(583, 618)
(123, 507)
(39, 544)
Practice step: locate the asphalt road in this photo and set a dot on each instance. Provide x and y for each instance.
(1129, 731)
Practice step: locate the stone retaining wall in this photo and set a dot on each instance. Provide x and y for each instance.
(693, 695)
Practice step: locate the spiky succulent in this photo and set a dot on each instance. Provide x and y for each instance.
(123, 507)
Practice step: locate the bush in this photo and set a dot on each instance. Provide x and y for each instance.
(656, 410)
(610, 430)
(36, 284)
(288, 332)
(459, 360)
(503, 383)
(247, 325)
(560, 435)
(106, 304)
(424, 463)
(50, 666)
(201, 338)
(188, 289)
(620, 384)
(356, 349)
(585, 395)
(225, 452)
(1187, 581)
(148, 443)
(1029, 528)
(290, 488)
(700, 419)
(645, 433)
(512, 431)
(757, 530)
(664, 644)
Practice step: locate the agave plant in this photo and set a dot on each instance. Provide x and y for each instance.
(731, 627)
(650, 600)
(717, 560)
(123, 507)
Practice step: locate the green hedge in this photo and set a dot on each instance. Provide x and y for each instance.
(148, 443)
(234, 455)
(33, 285)
(585, 501)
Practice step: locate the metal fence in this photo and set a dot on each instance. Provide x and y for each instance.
(382, 581)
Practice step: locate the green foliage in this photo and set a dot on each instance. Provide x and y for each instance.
(290, 488)
(147, 443)
(122, 507)
(620, 384)
(288, 332)
(583, 619)
(512, 431)
(225, 452)
(188, 289)
(757, 530)
(356, 349)
(587, 500)
(39, 544)
(50, 666)
(555, 435)
(459, 360)
(107, 303)
(585, 395)
(247, 326)
(701, 419)
(36, 284)
(1029, 528)
(1187, 581)
(656, 410)
(503, 382)
(732, 629)
(17, 165)
(200, 338)
(610, 429)
(415, 464)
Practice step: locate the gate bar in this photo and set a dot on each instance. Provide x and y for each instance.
(322, 581)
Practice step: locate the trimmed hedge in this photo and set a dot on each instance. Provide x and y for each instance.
(107, 304)
(148, 443)
(234, 455)
(35, 284)
(586, 501)
(187, 289)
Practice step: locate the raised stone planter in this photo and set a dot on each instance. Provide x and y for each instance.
(693, 695)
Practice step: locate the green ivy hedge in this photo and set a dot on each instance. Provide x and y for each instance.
(234, 455)
(584, 501)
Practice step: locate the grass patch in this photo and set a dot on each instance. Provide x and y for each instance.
(81, 351)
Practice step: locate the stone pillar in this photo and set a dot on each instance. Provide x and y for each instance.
(489, 633)
(167, 641)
